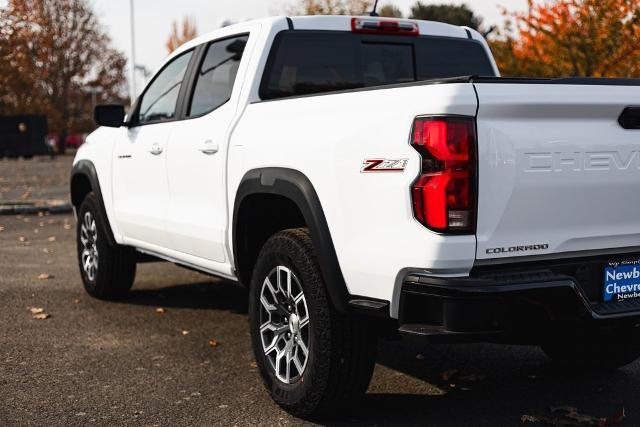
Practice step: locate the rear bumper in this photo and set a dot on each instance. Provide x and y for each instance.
(523, 306)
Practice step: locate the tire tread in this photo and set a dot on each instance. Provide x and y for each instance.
(117, 263)
(343, 367)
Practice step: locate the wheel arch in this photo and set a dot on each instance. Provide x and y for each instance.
(294, 187)
(84, 180)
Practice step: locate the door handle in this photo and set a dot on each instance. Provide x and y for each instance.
(209, 147)
(156, 149)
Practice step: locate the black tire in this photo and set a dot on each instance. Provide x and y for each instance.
(594, 350)
(115, 268)
(341, 349)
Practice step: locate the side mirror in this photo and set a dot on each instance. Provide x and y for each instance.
(109, 115)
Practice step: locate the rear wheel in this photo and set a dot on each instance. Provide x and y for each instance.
(599, 349)
(312, 358)
(107, 271)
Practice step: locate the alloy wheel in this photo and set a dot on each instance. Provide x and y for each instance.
(89, 241)
(284, 324)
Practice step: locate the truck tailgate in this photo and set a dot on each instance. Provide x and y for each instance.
(557, 173)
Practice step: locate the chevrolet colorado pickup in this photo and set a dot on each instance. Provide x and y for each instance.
(360, 172)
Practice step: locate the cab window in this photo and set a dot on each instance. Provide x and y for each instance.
(216, 75)
(160, 99)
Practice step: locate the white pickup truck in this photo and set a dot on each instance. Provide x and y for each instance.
(360, 172)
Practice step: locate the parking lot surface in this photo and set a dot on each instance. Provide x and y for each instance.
(177, 351)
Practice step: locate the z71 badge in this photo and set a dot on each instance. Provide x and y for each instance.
(384, 165)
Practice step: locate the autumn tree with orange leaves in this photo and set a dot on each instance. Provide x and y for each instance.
(178, 37)
(599, 38)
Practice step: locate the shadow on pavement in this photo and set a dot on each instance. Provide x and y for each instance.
(207, 295)
(444, 385)
(489, 385)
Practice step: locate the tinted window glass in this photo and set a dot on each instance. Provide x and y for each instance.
(451, 58)
(160, 99)
(217, 75)
(305, 62)
(308, 64)
(387, 63)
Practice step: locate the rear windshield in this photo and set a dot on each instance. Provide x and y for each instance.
(307, 62)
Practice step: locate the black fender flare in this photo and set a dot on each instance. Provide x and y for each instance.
(87, 169)
(295, 186)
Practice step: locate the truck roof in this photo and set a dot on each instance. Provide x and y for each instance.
(335, 23)
(343, 23)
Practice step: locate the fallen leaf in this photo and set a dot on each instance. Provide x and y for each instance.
(448, 374)
(36, 310)
(1, 227)
(161, 310)
(41, 316)
(52, 238)
(45, 276)
(254, 365)
(213, 342)
(67, 226)
(76, 301)
(185, 332)
(22, 239)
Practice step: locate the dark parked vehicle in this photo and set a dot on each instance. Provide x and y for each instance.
(23, 135)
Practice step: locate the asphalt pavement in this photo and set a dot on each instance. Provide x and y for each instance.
(177, 351)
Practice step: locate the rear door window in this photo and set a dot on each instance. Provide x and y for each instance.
(217, 75)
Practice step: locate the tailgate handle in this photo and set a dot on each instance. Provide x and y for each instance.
(630, 118)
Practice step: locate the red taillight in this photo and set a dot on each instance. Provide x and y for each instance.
(444, 193)
(384, 26)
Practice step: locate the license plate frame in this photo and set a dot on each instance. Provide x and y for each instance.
(621, 281)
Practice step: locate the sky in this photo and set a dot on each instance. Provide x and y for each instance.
(153, 19)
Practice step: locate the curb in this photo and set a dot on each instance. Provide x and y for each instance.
(26, 208)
